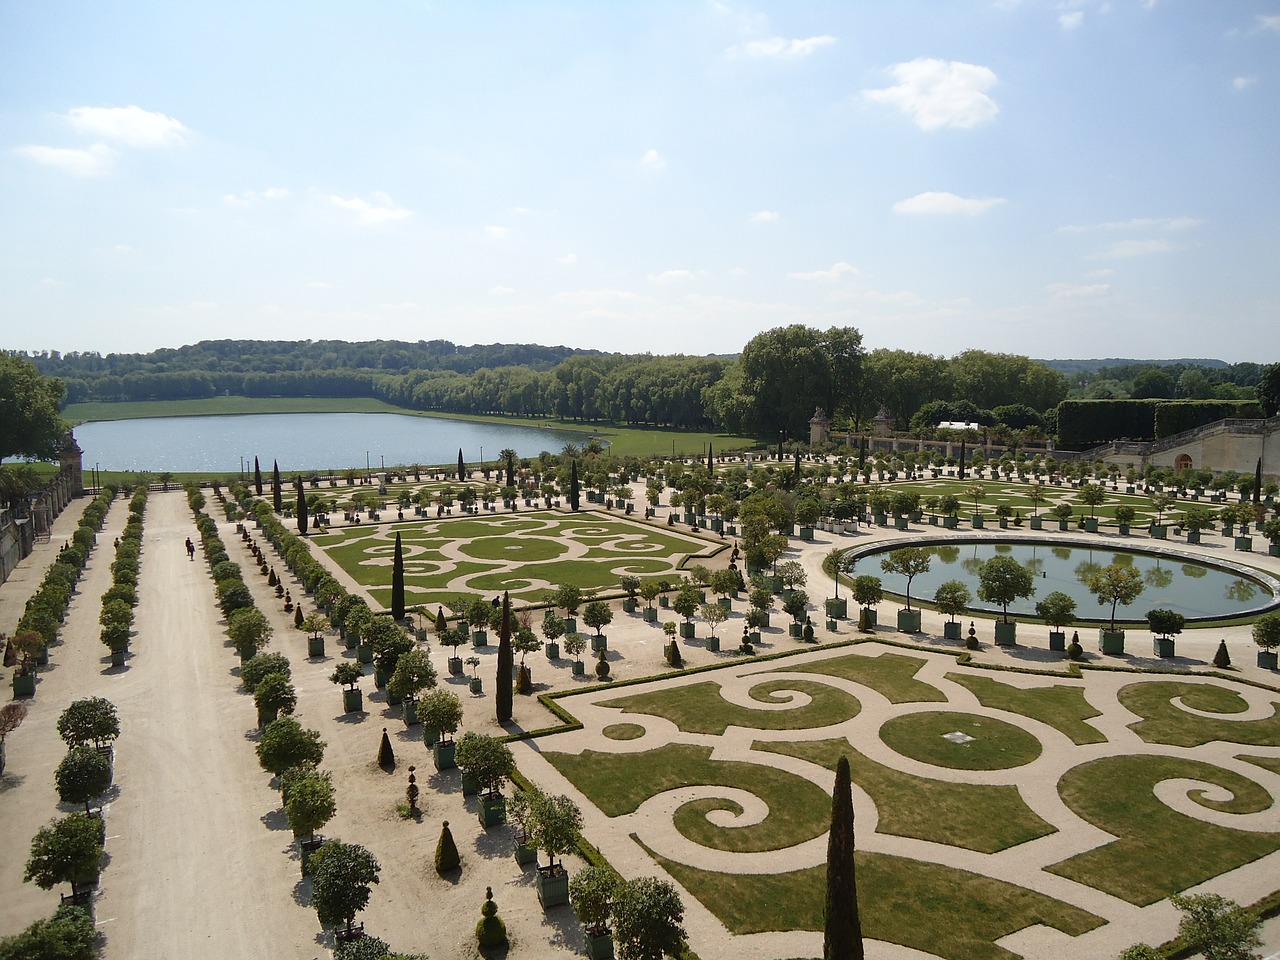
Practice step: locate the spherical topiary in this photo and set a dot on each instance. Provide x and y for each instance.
(1074, 650)
(491, 932)
(1222, 659)
(447, 858)
(602, 666)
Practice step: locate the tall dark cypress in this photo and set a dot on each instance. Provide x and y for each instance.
(962, 458)
(710, 462)
(573, 487)
(277, 497)
(462, 467)
(506, 660)
(843, 936)
(257, 477)
(511, 469)
(304, 521)
(397, 582)
(1257, 482)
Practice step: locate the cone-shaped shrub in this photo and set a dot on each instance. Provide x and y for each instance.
(446, 852)
(386, 756)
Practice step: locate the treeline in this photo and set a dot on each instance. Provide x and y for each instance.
(1174, 380)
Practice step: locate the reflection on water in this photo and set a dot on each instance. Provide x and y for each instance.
(1195, 590)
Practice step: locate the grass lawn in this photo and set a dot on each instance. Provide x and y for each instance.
(1159, 851)
(940, 910)
(1164, 722)
(699, 707)
(996, 745)
(891, 675)
(1062, 707)
(972, 816)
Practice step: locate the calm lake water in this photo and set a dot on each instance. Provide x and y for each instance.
(1194, 590)
(303, 441)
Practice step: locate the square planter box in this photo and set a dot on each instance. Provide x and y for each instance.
(1064, 525)
(1267, 660)
(480, 638)
(650, 615)
(713, 644)
(754, 636)
(305, 849)
(599, 945)
(664, 601)
(1193, 536)
(350, 640)
(686, 630)
(553, 889)
(599, 643)
(1004, 523)
(629, 605)
(380, 677)
(1006, 634)
(837, 608)
(1273, 550)
(1159, 531)
(552, 650)
(1057, 640)
(492, 811)
(409, 712)
(951, 630)
(364, 653)
(1112, 643)
(831, 624)
(900, 523)
(795, 630)
(24, 685)
(724, 603)
(524, 853)
(976, 521)
(1037, 523)
(476, 685)
(908, 621)
(579, 668)
(1162, 647)
(1124, 530)
(470, 785)
(352, 701)
(950, 523)
(806, 533)
(570, 625)
(455, 666)
(1244, 544)
(869, 616)
(1090, 524)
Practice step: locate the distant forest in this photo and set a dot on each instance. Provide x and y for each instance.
(770, 390)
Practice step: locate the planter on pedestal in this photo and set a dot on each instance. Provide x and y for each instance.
(492, 810)
(1006, 633)
(352, 701)
(1162, 647)
(553, 886)
(442, 754)
(1109, 642)
(951, 630)
(315, 646)
(1057, 640)
(908, 621)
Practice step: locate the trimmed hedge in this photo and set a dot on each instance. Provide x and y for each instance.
(1175, 416)
(1090, 423)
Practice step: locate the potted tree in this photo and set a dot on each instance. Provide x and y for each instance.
(569, 597)
(274, 695)
(1058, 610)
(249, 631)
(441, 714)
(597, 616)
(649, 591)
(1194, 519)
(761, 600)
(389, 642)
(1160, 502)
(554, 822)
(1062, 512)
(952, 599)
(591, 892)
(92, 720)
(630, 585)
(1003, 580)
(796, 605)
(251, 673)
(315, 624)
(1092, 495)
(908, 562)
(475, 684)
(1124, 517)
(1266, 634)
(867, 592)
(68, 850)
(11, 717)
(28, 644)
(949, 507)
(647, 917)
(574, 645)
(688, 599)
(1114, 584)
(348, 675)
(413, 674)
(309, 803)
(715, 615)
(518, 815)
(454, 638)
(83, 776)
(553, 630)
(340, 877)
(1035, 493)
(486, 763)
(1165, 624)
(977, 493)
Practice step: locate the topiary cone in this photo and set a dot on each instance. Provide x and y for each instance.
(446, 852)
(386, 756)
(1222, 658)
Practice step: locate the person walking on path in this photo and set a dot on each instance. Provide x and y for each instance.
(191, 550)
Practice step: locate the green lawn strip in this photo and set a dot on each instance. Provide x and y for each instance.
(526, 549)
(1062, 707)
(623, 731)
(973, 816)
(996, 745)
(889, 674)
(619, 783)
(937, 909)
(1158, 851)
(700, 707)
(1164, 722)
(1266, 763)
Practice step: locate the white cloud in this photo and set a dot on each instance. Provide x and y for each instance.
(382, 210)
(1244, 83)
(253, 196)
(568, 260)
(131, 126)
(764, 216)
(1125, 249)
(1077, 291)
(1100, 274)
(671, 276)
(933, 201)
(1269, 22)
(501, 291)
(1069, 21)
(940, 93)
(497, 233)
(837, 271)
(652, 160)
(780, 48)
(1137, 223)
(88, 162)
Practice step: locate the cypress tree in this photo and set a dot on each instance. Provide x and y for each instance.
(462, 467)
(843, 935)
(710, 463)
(304, 521)
(442, 622)
(506, 659)
(1257, 482)
(573, 487)
(397, 582)
(511, 469)
(962, 458)
(257, 477)
(276, 496)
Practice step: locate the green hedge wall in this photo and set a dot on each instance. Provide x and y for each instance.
(1087, 423)
(1175, 416)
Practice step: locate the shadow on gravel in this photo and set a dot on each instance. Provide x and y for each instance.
(275, 820)
(494, 843)
(302, 897)
(11, 781)
(1036, 654)
(358, 716)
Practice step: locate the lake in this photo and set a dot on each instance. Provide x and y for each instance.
(304, 441)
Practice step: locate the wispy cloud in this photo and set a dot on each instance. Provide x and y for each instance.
(652, 160)
(940, 93)
(837, 271)
(1244, 83)
(497, 233)
(780, 48)
(1124, 249)
(381, 210)
(1269, 22)
(935, 202)
(1169, 224)
(764, 216)
(1078, 291)
(87, 162)
(1069, 21)
(501, 291)
(131, 126)
(249, 197)
(671, 276)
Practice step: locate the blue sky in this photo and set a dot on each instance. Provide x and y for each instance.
(1060, 179)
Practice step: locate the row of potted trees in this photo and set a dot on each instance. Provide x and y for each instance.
(116, 616)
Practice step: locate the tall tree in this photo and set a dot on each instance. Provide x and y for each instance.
(277, 495)
(711, 468)
(843, 936)
(30, 425)
(462, 467)
(257, 477)
(506, 660)
(509, 458)
(304, 521)
(788, 371)
(573, 486)
(397, 582)
(1269, 390)
(1257, 482)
